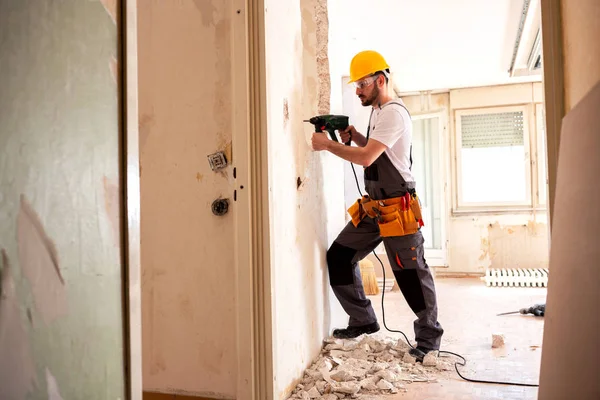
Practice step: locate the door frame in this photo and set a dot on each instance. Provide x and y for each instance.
(130, 198)
(252, 242)
(439, 258)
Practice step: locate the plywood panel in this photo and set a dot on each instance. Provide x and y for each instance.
(187, 252)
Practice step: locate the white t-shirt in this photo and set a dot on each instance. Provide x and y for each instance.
(392, 126)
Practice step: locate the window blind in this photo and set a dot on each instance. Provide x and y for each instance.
(492, 130)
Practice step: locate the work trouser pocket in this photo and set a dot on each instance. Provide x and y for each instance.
(405, 252)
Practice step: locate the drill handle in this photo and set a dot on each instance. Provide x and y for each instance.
(349, 142)
(332, 135)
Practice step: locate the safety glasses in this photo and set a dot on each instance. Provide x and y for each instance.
(363, 83)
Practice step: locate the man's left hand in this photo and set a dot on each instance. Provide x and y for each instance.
(320, 141)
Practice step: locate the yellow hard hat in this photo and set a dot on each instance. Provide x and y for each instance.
(366, 63)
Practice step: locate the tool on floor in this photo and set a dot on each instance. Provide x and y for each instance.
(330, 123)
(538, 310)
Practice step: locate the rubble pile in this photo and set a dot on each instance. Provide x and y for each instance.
(365, 367)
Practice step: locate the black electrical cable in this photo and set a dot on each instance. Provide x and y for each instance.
(456, 364)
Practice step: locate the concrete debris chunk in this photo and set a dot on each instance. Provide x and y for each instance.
(359, 354)
(401, 345)
(408, 359)
(378, 366)
(430, 359)
(322, 386)
(324, 363)
(349, 345)
(339, 354)
(314, 393)
(342, 376)
(386, 357)
(334, 346)
(370, 383)
(385, 385)
(388, 375)
(304, 395)
(374, 344)
(346, 387)
(330, 396)
(497, 340)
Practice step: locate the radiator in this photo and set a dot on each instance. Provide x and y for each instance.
(531, 277)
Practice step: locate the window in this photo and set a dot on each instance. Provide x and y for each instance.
(492, 158)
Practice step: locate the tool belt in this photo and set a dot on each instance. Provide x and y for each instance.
(397, 216)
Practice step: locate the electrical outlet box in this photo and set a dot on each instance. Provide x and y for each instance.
(217, 161)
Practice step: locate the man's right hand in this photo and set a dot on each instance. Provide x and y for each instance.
(348, 133)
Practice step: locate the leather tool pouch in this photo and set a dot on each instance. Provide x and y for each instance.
(391, 224)
(398, 218)
(395, 217)
(356, 212)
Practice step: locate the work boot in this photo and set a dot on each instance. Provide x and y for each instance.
(355, 331)
(419, 352)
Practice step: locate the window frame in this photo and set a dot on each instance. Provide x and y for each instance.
(540, 153)
(459, 205)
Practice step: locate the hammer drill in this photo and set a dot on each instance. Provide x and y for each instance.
(330, 123)
(538, 310)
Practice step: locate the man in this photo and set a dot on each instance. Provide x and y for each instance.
(385, 154)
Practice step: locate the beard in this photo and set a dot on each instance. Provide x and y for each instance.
(368, 101)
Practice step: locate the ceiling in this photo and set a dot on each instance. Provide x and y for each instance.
(429, 44)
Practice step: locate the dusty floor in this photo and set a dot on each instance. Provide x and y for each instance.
(468, 314)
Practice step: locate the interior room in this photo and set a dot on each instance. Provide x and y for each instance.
(168, 219)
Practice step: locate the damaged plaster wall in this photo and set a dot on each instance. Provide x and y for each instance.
(61, 321)
(306, 187)
(188, 265)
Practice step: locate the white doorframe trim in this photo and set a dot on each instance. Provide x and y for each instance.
(130, 203)
(253, 269)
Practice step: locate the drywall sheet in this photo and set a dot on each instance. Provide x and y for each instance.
(61, 323)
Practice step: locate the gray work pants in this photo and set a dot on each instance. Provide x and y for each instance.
(406, 257)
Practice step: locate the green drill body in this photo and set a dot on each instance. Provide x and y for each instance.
(330, 123)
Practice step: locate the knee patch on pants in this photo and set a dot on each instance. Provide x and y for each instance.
(339, 264)
(410, 286)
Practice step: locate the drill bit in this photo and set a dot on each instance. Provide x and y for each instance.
(511, 312)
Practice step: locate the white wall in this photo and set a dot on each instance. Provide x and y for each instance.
(304, 219)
